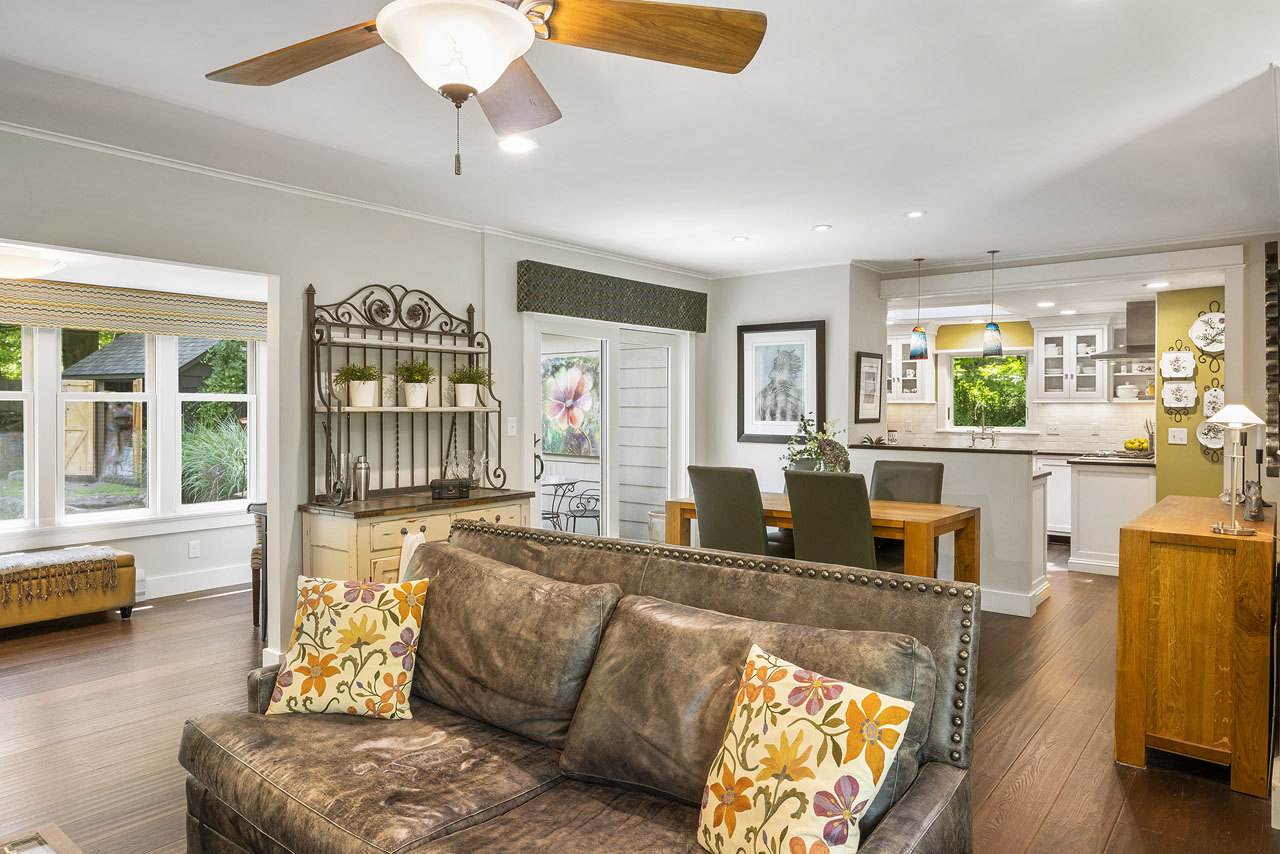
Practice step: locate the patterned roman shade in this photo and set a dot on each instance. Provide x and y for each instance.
(30, 302)
(565, 291)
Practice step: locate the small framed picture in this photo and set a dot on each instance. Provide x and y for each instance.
(781, 377)
(869, 407)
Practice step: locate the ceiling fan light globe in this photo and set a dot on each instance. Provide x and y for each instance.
(452, 44)
(19, 262)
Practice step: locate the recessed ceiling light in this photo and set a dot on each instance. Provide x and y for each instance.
(1045, 304)
(914, 214)
(741, 238)
(517, 144)
(19, 262)
(1067, 311)
(822, 228)
(1156, 285)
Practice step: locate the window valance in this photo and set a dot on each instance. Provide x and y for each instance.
(568, 292)
(71, 306)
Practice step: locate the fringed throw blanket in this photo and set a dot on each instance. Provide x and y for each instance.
(28, 576)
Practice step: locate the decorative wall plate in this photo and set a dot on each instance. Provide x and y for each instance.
(1209, 332)
(1214, 400)
(1178, 395)
(1177, 363)
(1211, 435)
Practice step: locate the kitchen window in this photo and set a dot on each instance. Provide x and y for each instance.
(973, 383)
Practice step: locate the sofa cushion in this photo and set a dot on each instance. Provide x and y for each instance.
(654, 710)
(334, 784)
(581, 818)
(506, 646)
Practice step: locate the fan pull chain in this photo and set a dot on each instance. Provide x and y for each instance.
(457, 140)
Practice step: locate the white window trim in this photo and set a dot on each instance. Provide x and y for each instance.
(46, 524)
(946, 392)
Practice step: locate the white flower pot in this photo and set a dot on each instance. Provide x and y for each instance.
(415, 395)
(466, 394)
(362, 393)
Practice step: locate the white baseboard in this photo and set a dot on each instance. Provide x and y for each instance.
(271, 656)
(180, 583)
(1096, 567)
(1014, 604)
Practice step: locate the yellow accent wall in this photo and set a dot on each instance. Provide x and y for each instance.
(1185, 469)
(968, 336)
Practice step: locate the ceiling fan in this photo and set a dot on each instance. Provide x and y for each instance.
(474, 48)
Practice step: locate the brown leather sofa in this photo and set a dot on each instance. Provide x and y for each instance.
(590, 734)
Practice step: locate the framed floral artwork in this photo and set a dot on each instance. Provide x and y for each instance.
(869, 407)
(781, 377)
(571, 404)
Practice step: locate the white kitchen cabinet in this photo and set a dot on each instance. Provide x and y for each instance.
(908, 381)
(1105, 496)
(1065, 368)
(1058, 492)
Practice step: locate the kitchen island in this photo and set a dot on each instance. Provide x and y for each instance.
(1106, 493)
(1010, 495)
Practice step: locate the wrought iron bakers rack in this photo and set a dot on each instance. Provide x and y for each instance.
(385, 325)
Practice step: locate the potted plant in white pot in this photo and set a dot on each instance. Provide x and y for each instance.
(361, 382)
(467, 380)
(416, 377)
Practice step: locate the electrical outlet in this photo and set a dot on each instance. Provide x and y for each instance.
(1052, 430)
(193, 548)
(1177, 435)
(910, 427)
(512, 426)
(1095, 430)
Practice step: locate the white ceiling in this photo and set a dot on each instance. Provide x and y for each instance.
(1034, 126)
(90, 268)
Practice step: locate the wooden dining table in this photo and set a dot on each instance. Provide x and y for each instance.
(917, 525)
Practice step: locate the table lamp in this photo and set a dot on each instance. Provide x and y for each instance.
(1235, 418)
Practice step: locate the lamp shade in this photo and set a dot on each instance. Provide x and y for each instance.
(991, 346)
(19, 262)
(1237, 416)
(456, 43)
(919, 345)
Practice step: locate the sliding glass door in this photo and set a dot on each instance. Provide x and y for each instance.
(605, 421)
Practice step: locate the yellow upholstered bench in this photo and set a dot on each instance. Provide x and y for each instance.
(48, 585)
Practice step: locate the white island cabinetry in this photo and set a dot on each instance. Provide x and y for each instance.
(1105, 496)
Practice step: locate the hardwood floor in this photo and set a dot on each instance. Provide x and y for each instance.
(1043, 778)
(91, 709)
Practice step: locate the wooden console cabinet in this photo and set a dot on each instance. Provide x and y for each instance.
(1193, 665)
(360, 540)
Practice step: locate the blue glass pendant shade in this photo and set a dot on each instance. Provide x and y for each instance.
(991, 340)
(919, 344)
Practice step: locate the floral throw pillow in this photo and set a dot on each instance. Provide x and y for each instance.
(803, 757)
(353, 649)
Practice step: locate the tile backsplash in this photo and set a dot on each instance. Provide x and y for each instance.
(917, 424)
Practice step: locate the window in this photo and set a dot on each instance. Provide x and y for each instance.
(103, 399)
(214, 401)
(137, 425)
(997, 385)
(14, 405)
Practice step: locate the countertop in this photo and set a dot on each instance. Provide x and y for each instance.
(863, 447)
(1113, 461)
(413, 502)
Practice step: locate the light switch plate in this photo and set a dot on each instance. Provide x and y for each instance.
(193, 549)
(511, 425)
(1177, 435)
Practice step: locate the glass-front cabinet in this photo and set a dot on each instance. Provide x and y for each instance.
(908, 381)
(1065, 365)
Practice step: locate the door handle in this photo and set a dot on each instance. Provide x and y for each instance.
(538, 467)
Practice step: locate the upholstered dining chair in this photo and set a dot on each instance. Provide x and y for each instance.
(902, 480)
(831, 518)
(781, 542)
(730, 511)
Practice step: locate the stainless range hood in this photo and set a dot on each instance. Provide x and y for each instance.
(1140, 334)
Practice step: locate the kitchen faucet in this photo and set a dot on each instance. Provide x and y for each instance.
(986, 434)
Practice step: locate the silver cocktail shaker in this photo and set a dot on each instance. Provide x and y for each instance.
(360, 479)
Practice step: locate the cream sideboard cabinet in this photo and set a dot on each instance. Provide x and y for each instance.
(360, 540)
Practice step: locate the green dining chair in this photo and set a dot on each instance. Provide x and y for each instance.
(730, 511)
(901, 480)
(831, 518)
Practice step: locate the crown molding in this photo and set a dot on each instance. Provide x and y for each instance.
(600, 253)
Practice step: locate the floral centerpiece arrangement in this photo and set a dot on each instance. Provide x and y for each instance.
(823, 446)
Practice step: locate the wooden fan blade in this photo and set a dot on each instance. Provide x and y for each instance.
(518, 102)
(698, 36)
(289, 62)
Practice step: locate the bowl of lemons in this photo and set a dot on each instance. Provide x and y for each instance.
(1140, 444)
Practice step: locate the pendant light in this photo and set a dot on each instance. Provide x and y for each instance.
(991, 334)
(919, 342)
